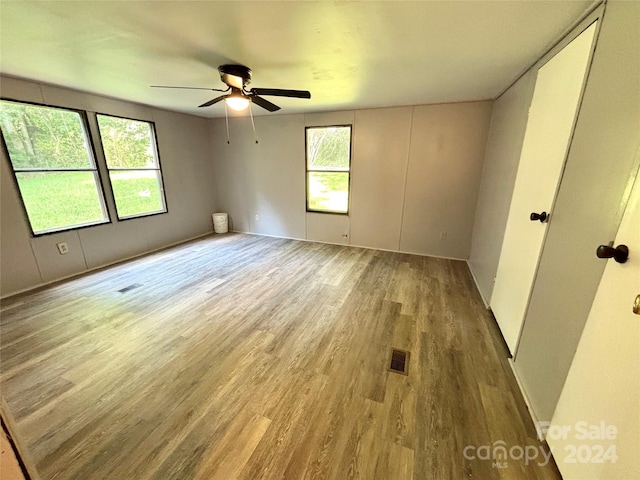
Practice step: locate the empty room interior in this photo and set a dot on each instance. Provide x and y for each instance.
(379, 240)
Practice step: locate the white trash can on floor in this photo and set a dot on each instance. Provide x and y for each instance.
(220, 222)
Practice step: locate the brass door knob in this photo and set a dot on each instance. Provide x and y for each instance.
(636, 306)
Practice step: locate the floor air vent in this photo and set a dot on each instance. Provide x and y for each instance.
(399, 361)
(130, 287)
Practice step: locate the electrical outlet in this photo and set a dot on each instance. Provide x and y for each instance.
(257, 217)
(443, 235)
(62, 247)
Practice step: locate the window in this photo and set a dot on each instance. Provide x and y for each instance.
(328, 164)
(134, 167)
(52, 160)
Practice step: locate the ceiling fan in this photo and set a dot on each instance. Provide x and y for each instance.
(237, 77)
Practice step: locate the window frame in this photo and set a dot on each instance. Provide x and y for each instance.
(154, 143)
(90, 146)
(307, 170)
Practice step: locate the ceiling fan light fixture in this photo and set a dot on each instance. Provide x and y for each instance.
(237, 102)
(236, 78)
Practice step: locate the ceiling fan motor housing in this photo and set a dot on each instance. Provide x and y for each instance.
(236, 76)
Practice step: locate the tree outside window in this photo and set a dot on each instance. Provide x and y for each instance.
(134, 167)
(50, 154)
(328, 152)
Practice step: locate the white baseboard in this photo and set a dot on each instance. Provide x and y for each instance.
(536, 423)
(475, 280)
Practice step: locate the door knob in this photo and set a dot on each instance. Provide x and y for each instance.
(619, 254)
(543, 217)
(636, 306)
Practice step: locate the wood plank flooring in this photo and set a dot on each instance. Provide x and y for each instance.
(245, 357)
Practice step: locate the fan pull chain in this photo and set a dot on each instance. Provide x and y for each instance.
(253, 124)
(226, 117)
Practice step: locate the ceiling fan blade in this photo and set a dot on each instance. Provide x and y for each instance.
(211, 102)
(189, 88)
(277, 92)
(264, 103)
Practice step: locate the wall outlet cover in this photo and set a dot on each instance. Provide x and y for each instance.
(62, 248)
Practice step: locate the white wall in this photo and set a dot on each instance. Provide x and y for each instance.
(443, 178)
(380, 166)
(260, 179)
(602, 161)
(588, 207)
(506, 135)
(415, 174)
(183, 142)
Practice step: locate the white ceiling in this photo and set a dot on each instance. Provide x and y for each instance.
(348, 54)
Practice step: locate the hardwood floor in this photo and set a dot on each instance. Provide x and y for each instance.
(245, 357)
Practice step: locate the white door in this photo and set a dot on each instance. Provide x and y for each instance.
(601, 395)
(551, 119)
